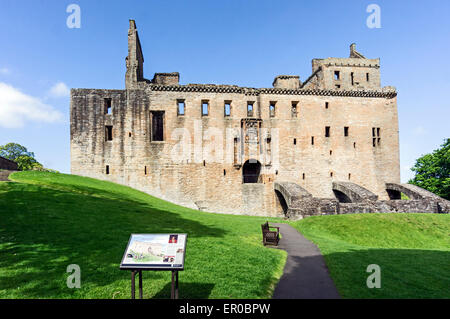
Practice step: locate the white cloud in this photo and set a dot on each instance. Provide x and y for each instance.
(60, 89)
(5, 71)
(16, 108)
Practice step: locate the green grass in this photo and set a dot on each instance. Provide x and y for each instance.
(49, 221)
(413, 251)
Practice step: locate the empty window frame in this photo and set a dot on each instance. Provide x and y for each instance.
(227, 109)
(249, 109)
(157, 125)
(346, 129)
(108, 133)
(108, 106)
(376, 136)
(205, 108)
(327, 131)
(272, 109)
(337, 75)
(181, 107)
(294, 109)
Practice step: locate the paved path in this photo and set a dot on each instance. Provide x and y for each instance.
(4, 175)
(305, 274)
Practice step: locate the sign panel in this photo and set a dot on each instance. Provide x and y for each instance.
(155, 251)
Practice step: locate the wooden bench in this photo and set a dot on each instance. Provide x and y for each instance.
(270, 237)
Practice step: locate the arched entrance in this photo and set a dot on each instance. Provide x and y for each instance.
(341, 197)
(281, 205)
(251, 171)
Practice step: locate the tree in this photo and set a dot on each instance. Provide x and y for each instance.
(19, 154)
(432, 171)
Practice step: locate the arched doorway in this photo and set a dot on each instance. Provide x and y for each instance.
(281, 205)
(251, 171)
(341, 197)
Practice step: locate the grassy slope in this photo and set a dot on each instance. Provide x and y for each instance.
(48, 221)
(413, 251)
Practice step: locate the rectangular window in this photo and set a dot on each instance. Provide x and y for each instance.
(250, 109)
(367, 77)
(107, 169)
(326, 105)
(181, 107)
(376, 136)
(108, 106)
(227, 108)
(327, 131)
(295, 141)
(338, 86)
(312, 140)
(352, 77)
(157, 125)
(272, 109)
(346, 131)
(108, 133)
(337, 75)
(294, 109)
(205, 108)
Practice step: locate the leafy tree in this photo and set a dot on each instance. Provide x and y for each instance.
(432, 171)
(19, 154)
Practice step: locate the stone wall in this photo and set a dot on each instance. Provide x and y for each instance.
(200, 161)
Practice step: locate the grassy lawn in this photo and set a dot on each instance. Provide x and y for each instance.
(413, 251)
(49, 221)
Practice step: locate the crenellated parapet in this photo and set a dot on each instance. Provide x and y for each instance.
(387, 92)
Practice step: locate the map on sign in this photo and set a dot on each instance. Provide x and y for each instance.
(155, 251)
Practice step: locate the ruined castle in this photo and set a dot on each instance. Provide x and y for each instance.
(325, 145)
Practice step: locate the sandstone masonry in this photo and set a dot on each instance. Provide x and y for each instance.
(291, 150)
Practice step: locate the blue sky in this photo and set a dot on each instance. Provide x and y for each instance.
(244, 42)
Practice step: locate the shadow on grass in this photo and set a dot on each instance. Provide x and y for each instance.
(43, 230)
(187, 290)
(405, 273)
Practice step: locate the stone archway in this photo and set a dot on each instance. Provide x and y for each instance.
(282, 206)
(251, 171)
(341, 197)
